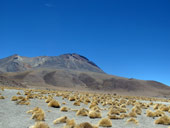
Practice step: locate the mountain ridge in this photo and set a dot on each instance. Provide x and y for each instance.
(73, 72)
(16, 63)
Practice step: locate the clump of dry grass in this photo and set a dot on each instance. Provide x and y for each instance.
(94, 114)
(123, 106)
(93, 104)
(86, 103)
(122, 110)
(132, 114)
(114, 111)
(2, 97)
(159, 113)
(32, 111)
(48, 100)
(72, 98)
(85, 125)
(64, 103)
(164, 108)
(54, 103)
(70, 124)
(87, 100)
(163, 120)
(60, 120)
(105, 122)
(76, 103)
(113, 117)
(22, 98)
(23, 102)
(18, 93)
(14, 98)
(122, 116)
(95, 108)
(156, 106)
(64, 109)
(82, 112)
(149, 113)
(40, 125)
(137, 110)
(133, 120)
(37, 114)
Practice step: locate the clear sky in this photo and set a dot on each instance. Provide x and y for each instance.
(129, 38)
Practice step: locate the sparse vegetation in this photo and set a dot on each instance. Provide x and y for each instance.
(117, 108)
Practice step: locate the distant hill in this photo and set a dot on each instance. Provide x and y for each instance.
(72, 71)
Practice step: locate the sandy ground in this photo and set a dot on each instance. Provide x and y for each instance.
(15, 116)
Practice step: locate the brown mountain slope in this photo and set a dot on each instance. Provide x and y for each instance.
(5, 81)
(78, 80)
(71, 71)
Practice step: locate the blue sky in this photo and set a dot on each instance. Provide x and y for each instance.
(129, 38)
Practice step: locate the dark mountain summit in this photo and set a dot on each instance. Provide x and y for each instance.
(16, 63)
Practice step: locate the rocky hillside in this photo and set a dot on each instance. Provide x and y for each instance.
(16, 63)
(73, 72)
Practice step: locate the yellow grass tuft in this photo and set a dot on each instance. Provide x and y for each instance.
(137, 110)
(149, 113)
(76, 103)
(70, 124)
(132, 114)
(133, 120)
(2, 97)
(34, 110)
(156, 106)
(48, 100)
(54, 103)
(60, 120)
(114, 117)
(82, 112)
(164, 108)
(105, 122)
(23, 101)
(122, 116)
(64, 109)
(163, 120)
(85, 125)
(159, 113)
(64, 103)
(18, 93)
(40, 125)
(14, 98)
(92, 105)
(113, 111)
(95, 114)
(37, 114)
(72, 98)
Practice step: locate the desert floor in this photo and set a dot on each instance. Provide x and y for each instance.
(15, 116)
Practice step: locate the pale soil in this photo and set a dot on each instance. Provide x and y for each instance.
(15, 116)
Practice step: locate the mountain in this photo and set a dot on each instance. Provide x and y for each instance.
(16, 63)
(73, 72)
